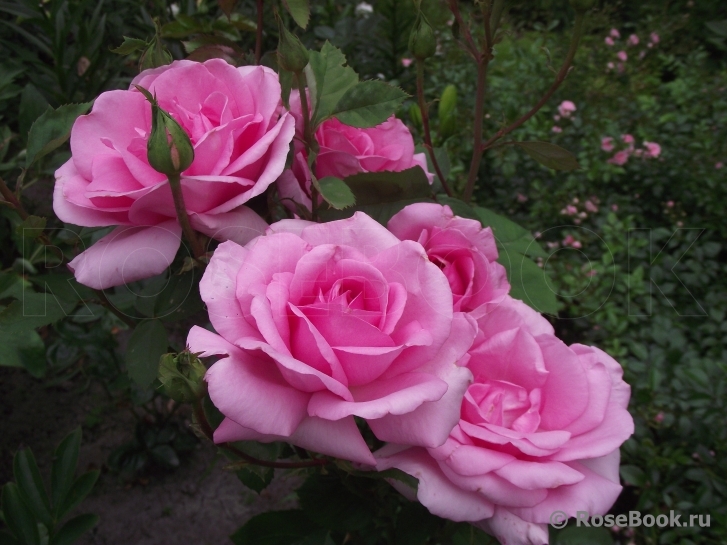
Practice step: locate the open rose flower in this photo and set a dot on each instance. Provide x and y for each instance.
(319, 323)
(539, 432)
(461, 247)
(241, 141)
(345, 151)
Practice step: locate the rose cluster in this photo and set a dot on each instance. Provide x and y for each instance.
(408, 327)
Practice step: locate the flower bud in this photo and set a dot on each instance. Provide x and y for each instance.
(422, 42)
(292, 54)
(182, 376)
(581, 6)
(169, 149)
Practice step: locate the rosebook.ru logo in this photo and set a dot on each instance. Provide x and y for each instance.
(634, 519)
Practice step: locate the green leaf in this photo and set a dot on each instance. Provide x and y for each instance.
(574, 535)
(275, 528)
(256, 478)
(74, 529)
(165, 456)
(52, 129)
(146, 345)
(550, 155)
(32, 105)
(31, 228)
(528, 282)
(299, 10)
(130, 45)
(23, 349)
(466, 534)
(633, 475)
(18, 517)
(335, 192)
(460, 208)
(81, 488)
(368, 104)
(718, 27)
(330, 504)
(34, 310)
(182, 27)
(508, 234)
(65, 460)
(414, 524)
(328, 80)
(30, 485)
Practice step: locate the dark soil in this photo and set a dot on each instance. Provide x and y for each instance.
(199, 503)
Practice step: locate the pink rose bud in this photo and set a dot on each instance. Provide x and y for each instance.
(620, 158)
(627, 139)
(670, 204)
(622, 56)
(615, 33)
(566, 108)
(654, 37)
(609, 41)
(718, 165)
(557, 129)
(614, 207)
(406, 62)
(607, 144)
(653, 149)
(633, 40)
(659, 418)
(521, 197)
(591, 207)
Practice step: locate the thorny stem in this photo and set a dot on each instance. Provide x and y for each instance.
(204, 425)
(108, 305)
(259, 32)
(560, 77)
(424, 108)
(464, 29)
(176, 185)
(308, 139)
(482, 64)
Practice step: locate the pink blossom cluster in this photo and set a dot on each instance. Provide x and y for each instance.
(632, 41)
(650, 150)
(579, 211)
(565, 111)
(320, 328)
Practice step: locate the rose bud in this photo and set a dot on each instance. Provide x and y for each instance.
(292, 54)
(422, 42)
(182, 376)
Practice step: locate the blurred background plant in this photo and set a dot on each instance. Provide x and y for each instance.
(632, 243)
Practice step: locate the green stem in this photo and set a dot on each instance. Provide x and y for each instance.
(10, 197)
(259, 32)
(204, 425)
(176, 185)
(308, 139)
(108, 305)
(424, 108)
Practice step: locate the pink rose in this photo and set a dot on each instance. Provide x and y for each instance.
(627, 139)
(654, 37)
(345, 151)
(464, 251)
(556, 129)
(566, 108)
(609, 41)
(319, 323)
(590, 206)
(653, 150)
(539, 432)
(718, 165)
(607, 144)
(615, 33)
(240, 139)
(622, 56)
(620, 158)
(406, 63)
(569, 240)
(633, 40)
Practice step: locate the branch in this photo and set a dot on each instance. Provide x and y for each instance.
(10, 197)
(469, 42)
(425, 123)
(308, 139)
(560, 77)
(209, 433)
(259, 32)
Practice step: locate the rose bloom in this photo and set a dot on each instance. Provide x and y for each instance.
(627, 139)
(318, 323)
(556, 129)
(607, 144)
(654, 37)
(622, 56)
(464, 251)
(653, 149)
(620, 158)
(240, 140)
(633, 40)
(609, 41)
(566, 108)
(539, 432)
(406, 62)
(345, 151)
(615, 33)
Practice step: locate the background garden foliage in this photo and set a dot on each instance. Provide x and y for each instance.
(635, 252)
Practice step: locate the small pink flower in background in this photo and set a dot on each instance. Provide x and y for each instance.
(638, 152)
(670, 204)
(575, 200)
(521, 197)
(614, 207)
(556, 129)
(552, 245)
(591, 273)
(659, 418)
(615, 33)
(569, 240)
(718, 165)
(607, 144)
(406, 63)
(609, 41)
(627, 139)
(620, 158)
(622, 56)
(654, 37)
(569, 210)
(633, 40)
(642, 54)
(680, 224)
(590, 206)
(566, 108)
(652, 149)
(556, 118)
(610, 66)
